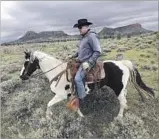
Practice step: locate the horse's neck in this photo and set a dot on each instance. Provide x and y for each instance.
(46, 63)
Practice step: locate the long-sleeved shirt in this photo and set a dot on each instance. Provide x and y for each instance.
(89, 48)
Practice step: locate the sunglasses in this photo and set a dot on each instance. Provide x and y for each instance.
(79, 27)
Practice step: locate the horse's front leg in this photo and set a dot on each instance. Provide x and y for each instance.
(80, 113)
(54, 100)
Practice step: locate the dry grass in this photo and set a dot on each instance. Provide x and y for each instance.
(23, 104)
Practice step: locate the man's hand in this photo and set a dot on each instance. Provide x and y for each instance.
(85, 65)
(70, 57)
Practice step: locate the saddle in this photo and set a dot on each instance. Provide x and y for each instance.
(93, 75)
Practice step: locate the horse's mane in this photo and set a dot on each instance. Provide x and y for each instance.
(37, 52)
(41, 54)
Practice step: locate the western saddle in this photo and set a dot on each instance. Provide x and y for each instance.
(94, 75)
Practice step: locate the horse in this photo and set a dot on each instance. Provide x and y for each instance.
(118, 73)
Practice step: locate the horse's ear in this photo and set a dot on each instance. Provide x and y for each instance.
(27, 53)
(27, 50)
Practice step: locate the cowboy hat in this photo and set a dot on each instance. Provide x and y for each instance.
(82, 22)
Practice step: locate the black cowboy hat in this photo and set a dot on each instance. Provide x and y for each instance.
(82, 22)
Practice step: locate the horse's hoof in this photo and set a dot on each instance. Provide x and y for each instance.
(49, 117)
(118, 118)
(49, 114)
(80, 113)
(126, 107)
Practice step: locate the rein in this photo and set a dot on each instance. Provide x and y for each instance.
(56, 78)
(41, 73)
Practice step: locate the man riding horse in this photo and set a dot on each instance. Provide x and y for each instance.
(88, 52)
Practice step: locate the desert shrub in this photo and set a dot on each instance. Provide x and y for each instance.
(152, 62)
(119, 36)
(142, 55)
(157, 35)
(144, 46)
(10, 85)
(131, 127)
(146, 67)
(128, 36)
(155, 68)
(5, 77)
(6, 51)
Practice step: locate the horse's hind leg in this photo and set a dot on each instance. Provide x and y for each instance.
(122, 95)
(123, 102)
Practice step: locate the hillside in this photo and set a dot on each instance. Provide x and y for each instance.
(132, 29)
(56, 36)
(45, 34)
(23, 103)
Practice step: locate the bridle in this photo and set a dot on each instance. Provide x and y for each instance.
(41, 73)
(57, 77)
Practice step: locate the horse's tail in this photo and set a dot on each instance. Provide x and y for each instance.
(135, 78)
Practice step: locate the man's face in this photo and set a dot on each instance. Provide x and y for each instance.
(83, 29)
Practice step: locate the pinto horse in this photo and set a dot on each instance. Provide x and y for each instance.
(118, 73)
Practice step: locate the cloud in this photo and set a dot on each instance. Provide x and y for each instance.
(17, 17)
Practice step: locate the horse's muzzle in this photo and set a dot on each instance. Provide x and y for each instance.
(24, 77)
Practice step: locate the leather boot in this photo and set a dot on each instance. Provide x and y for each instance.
(73, 103)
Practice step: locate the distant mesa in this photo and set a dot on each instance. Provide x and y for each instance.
(54, 36)
(132, 29)
(30, 35)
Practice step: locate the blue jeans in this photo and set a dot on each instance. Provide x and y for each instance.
(79, 82)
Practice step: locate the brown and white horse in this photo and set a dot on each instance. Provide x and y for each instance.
(118, 74)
